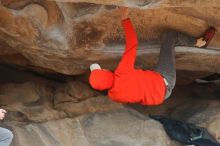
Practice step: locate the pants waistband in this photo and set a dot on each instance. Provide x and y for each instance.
(165, 81)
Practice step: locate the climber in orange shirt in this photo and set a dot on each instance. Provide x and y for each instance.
(148, 87)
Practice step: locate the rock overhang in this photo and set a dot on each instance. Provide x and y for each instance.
(66, 36)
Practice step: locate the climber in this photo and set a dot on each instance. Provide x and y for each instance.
(147, 87)
(6, 135)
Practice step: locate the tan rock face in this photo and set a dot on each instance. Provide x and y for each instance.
(50, 110)
(25, 93)
(67, 37)
(73, 92)
(212, 128)
(84, 131)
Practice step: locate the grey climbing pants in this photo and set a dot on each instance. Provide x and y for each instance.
(6, 137)
(166, 64)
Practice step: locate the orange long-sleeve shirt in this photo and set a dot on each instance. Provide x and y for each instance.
(135, 85)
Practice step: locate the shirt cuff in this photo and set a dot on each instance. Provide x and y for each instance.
(123, 22)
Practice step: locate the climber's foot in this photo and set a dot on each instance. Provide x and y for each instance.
(203, 41)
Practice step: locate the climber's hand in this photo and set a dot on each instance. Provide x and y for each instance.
(2, 114)
(123, 12)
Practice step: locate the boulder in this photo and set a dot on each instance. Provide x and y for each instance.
(122, 127)
(66, 36)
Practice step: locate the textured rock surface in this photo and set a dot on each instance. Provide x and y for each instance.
(32, 98)
(146, 4)
(73, 92)
(87, 118)
(67, 37)
(124, 126)
(115, 128)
